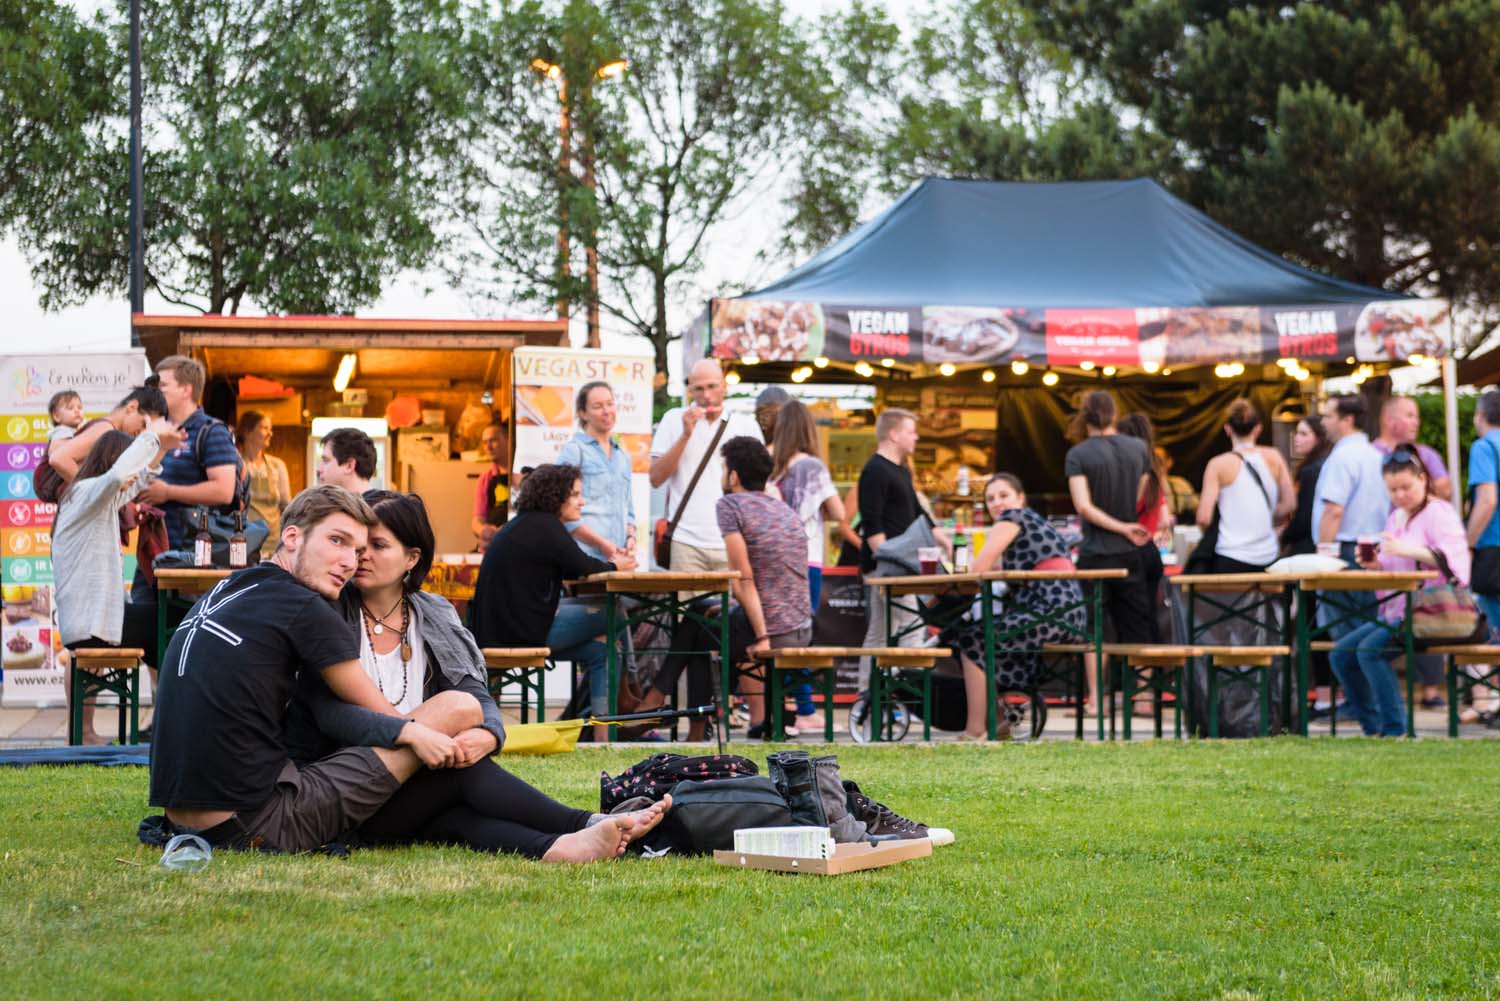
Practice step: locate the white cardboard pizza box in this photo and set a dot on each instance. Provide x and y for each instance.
(846, 858)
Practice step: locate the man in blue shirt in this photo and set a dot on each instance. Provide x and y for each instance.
(1350, 500)
(1484, 526)
(204, 469)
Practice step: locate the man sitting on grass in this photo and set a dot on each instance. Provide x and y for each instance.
(218, 763)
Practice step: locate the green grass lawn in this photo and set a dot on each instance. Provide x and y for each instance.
(1253, 869)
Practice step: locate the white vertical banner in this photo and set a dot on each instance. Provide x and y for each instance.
(546, 381)
(31, 655)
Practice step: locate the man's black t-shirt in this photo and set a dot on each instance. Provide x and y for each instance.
(520, 580)
(887, 502)
(1113, 464)
(226, 679)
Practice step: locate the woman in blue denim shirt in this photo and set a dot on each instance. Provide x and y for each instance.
(607, 528)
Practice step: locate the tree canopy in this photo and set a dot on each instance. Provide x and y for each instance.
(714, 101)
(291, 151)
(1362, 138)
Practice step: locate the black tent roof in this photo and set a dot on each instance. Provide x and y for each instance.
(1080, 244)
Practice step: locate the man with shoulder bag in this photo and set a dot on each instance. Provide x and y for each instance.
(685, 457)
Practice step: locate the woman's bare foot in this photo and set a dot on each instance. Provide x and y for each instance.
(592, 844)
(639, 822)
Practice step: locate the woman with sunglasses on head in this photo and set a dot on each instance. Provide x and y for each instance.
(1422, 531)
(428, 667)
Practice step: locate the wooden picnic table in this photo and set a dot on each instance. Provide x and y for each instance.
(665, 597)
(972, 583)
(1283, 586)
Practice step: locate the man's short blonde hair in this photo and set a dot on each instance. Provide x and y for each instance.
(889, 420)
(316, 504)
(188, 371)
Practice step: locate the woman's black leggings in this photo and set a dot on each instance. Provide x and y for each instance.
(483, 807)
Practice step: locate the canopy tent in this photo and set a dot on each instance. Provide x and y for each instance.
(1076, 276)
(1110, 272)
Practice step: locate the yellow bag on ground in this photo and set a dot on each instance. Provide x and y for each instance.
(558, 737)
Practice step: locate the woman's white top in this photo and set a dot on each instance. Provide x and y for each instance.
(1246, 531)
(385, 669)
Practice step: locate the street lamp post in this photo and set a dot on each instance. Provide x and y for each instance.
(137, 209)
(552, 71)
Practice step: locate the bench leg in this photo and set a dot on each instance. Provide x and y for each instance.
(1213, 698)
(133, 677)
(774, 700)
(76, 694)
(123, 696)
(1264, 676)
(876, 708)
(827, 685)
(1081, 691)
(927, 705)
(1127, 696)
(1156, 693)
(1452, 680)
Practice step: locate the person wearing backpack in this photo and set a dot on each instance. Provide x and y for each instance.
(205, 470)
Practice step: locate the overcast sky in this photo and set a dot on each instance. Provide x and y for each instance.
(102, 323)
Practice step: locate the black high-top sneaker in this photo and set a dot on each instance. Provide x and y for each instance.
(882, 821)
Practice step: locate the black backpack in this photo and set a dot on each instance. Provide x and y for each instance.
(705, 815)
(659, 773)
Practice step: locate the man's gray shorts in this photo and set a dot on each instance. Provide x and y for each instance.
(312, 806)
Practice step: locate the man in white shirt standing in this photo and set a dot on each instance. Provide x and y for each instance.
(680, 443)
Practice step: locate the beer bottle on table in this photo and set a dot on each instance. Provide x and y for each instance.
(203, 543)
(961, 547)
(239, 556)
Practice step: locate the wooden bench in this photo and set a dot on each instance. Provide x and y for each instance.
(819, 659)
(95, 670)
(525, 667)
(1237, 664)
(1170, 659)
(1461, 683)
(823, 658)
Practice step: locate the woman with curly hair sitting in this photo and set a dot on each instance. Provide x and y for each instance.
(518, 601)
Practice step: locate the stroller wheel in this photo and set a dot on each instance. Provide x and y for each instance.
(897, 720)
(1026, 712)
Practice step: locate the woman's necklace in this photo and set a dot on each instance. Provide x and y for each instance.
(405, 648)
(379, 620)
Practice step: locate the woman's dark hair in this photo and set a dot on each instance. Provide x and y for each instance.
(1322, 448)
(581, 401)
(147, 398)
(246, 425)
(406, 516)
(103, 455)
(1139, 426)
(749, 460)
(546, 488)
(1097, 411)
(1242, 417)
(1009, 479)
(1406, 459)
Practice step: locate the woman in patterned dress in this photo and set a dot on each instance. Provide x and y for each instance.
(1019, 539)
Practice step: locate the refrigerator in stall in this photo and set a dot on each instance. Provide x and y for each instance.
(447, 490)
(375, 427)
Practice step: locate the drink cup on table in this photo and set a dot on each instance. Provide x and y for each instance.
(930, 558)
(1368, 547)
